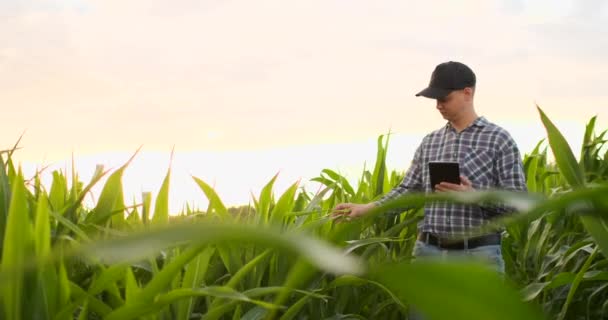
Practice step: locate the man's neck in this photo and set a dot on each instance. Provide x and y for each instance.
(464, 122)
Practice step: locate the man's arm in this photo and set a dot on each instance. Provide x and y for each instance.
(511, 176)
(412, 181)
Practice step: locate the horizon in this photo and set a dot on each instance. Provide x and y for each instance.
(223, 170)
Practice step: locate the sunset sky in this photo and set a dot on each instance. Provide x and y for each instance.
(245, 89)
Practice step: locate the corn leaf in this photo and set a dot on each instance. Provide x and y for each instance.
(463, 289)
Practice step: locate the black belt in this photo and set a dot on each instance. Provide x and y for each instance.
(470, 243)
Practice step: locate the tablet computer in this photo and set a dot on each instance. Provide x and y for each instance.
(444, 172)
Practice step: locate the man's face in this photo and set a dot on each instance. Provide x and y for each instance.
(454, 103)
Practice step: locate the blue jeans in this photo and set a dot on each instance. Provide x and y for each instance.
(492, 255)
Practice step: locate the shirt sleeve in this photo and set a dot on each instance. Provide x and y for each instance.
(411, 182)
(510, 176)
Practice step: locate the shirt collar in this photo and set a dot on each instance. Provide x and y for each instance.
(479, 122)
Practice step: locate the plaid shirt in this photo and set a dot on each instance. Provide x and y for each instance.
(487, 155)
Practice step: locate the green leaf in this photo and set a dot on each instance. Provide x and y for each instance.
(531, 174)
(146, 203)
(80, 296)
(69, 225)
(47, 293)
(597, 226)
(576, 283)
(293, 310)
(17, 242)
(161, 207)
(161, 281)
(110, 201)
(298, 275)
(215, 203)
(284, 205)
(587, 143)
(84, 312)
(349, 280)
(64, 284)
(5, 197)
(246, 269)
(259, 292)
(230, 256)
(263, 207)
(356, 244)
(42, 227)
(77, 195)
(564, 157)
(195, 273)
(256, 313)
(59, 191)
(132, 289)
(237, 277)
(140, 309)
(380, 175)
(145, 243)
(343, 182)
(107, 278)
(47, 285)
(466, 291)
(95, 304)
(531, 291)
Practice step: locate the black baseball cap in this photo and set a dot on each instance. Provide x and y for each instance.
(447, 77)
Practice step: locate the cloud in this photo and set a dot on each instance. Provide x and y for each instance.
(590, 9)
(163, 71)
(20, 7)
(574, 39)
(513, 6)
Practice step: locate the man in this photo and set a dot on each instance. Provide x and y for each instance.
(488, 159)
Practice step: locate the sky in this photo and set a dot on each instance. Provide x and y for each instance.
(243, 90)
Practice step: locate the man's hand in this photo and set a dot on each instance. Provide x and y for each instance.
(465, 185)
(348, 211)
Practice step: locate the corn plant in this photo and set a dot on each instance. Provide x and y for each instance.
(284, 257)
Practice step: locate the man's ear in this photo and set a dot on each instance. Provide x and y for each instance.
(469, 92)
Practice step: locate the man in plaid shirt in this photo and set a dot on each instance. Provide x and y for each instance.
(488, 159)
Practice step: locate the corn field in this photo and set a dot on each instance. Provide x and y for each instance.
(285, 258)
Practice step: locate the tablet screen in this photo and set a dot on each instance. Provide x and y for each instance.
(444, 172)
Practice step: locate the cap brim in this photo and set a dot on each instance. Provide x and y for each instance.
(434, 93)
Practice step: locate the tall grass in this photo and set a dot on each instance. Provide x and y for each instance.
(285, 258)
